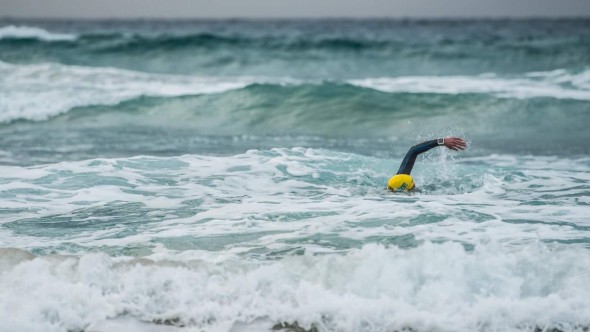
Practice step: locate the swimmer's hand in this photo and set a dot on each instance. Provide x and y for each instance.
(455, 143)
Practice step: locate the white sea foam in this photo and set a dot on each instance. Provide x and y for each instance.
(431, 287)
(25, 32)
(37, 92)
(277, 200)
(554, 84)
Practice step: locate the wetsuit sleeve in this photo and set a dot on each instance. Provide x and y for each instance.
(410, 158)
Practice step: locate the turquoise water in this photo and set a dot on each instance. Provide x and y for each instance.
(229, 175)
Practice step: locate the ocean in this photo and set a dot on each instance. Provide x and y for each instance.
(229, 175)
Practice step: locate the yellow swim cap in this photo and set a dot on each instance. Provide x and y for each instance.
(400, 182)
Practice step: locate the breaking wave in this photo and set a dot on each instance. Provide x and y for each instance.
(41, 91)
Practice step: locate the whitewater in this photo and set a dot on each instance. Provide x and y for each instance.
(229, 176)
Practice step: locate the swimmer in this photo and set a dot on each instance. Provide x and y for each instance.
(402, 180)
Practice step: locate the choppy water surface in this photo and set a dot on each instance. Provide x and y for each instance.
(228, 175)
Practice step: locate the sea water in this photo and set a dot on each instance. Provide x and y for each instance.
(229, 175)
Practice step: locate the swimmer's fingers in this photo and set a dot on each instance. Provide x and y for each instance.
(455, 143)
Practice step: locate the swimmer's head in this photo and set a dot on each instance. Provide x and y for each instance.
(400, 182)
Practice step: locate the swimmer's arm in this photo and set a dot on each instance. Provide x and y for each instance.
(453, 143)
(410, 158)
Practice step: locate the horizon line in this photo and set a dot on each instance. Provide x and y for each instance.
(299, 18)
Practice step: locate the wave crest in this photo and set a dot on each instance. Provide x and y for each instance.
(25, 32)
(40, 91)
(557, 84)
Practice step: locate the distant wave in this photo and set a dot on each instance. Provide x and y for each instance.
(555, 84)
(124, 42)
(128, 42)
(40, 91)
(117, 42)
(24, 32)
(139, 42)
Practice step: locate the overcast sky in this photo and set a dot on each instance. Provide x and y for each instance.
(291, 8)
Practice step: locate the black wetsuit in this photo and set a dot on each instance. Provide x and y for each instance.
(410, 158)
